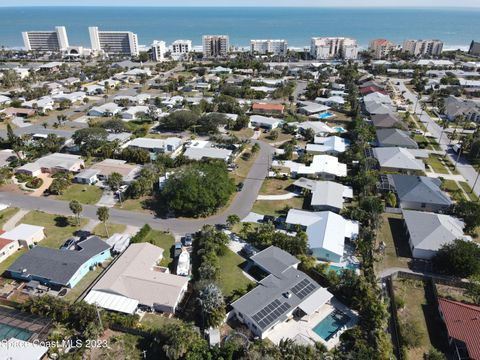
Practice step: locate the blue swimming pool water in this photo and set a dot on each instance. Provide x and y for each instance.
(325, 115)
(331, 324)
(339, 130)
(7, 332)
(339, 269)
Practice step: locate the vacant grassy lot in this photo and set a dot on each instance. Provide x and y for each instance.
(426, 142)
(272, 186)
(58, 228)
(435, 162)
(418, 318)
(451, 187)
(156, 321)
(392, 233)
(464, 185)
(6, 214)
(231, 276)
(99, 230)
(85, 194)
(277, 207)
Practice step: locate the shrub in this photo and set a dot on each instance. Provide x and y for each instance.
(34, 183)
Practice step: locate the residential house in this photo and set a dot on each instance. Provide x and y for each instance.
(6, 156)
(325, 195)
(455, 107)
(133, 112)
(87, 177)
(326, 167)
(420, 193)
(310, 108)
(157, 146)
(199, 153)
(335, 102)
(461, 321)
(332, 145)
(284, 292)
(57, 268)
(400, 159)
(25, 235)
(7, 248)
(389, 120)
(326, 232)
(108, 109)
(107, 167)
(52, 164)
(16, 349)
(318, 127)
(18, 112)
(268, 123)
(395, 138)
(427, 232)
(136, 280)
(263, 108)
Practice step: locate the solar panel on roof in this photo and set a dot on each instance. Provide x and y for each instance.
(270, 313)
(303, 288)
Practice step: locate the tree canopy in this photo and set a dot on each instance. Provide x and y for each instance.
(460, 258)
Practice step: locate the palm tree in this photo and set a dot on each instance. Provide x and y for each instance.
(212, 305)
(115, 181)
(232, 220)
(76, 208)
(103, 215)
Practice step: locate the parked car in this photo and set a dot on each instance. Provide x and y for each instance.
(240, 186)
(188, 240)
(248, 250)
(178, 248)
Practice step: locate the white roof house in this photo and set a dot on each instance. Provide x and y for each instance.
(73, 97)
(107, 109)
(131, 113)
(157, 145)
(265, 122)
(325, 166)
(136, 279)
(335, 100)
(328, 145)
(4, 99)
(199, 153)
(326, 195)
(25, 234)
(318, 127)
(15, 349)
(54, 163)
(326, 232)
(378, 98)
(312, 108)
(428, 232)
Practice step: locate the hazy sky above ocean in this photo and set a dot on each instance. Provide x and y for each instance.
(456, 27)
(294, 3)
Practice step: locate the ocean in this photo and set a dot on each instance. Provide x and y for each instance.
(456, 27)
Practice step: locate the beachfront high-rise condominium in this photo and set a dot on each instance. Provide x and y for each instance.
(159, 49)
(275, 47)
(423, 47)
(114, 42)
(215, 46)
(324, 48)
(55, 40)
(381, 48)
(180, 48)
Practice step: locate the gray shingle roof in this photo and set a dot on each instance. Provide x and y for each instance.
(395, 137)
(420, 189)
(58, 265)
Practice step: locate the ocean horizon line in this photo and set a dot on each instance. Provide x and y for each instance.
(336, 7)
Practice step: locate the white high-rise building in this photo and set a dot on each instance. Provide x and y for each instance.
(380, 48)
(276, 47)
(215, 46)
(56, 40)
(180, 48)
(324, 48)
(423, 47)
(114, 42)
(159, 49)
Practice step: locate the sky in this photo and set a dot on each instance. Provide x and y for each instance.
(313, 3)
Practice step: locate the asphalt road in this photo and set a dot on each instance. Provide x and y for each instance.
(463, 166)
(241, 205)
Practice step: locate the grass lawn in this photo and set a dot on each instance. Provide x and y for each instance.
(156, 321)
(244, 133)
(282, 137)
(451, 187)
(99, 230)
(397, 253)
(276, 207)
(231, 276)
(244, 166)
(436, 164)
(6, 214)
(85, 194)
(165, 241)
(272, 186)
(58, 228)
(4, 265)
(464, 185)
(83, 284)
(418, 310)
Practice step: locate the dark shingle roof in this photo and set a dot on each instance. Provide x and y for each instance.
(420, 189)
(58, 265)
(395, 137)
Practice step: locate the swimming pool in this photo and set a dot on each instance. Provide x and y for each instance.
(325, 116)
(339, 269)
(7, 332)
(329, 326)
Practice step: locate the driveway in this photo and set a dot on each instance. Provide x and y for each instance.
(241, 205)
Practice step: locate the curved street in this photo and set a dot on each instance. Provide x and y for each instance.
(241, 205)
